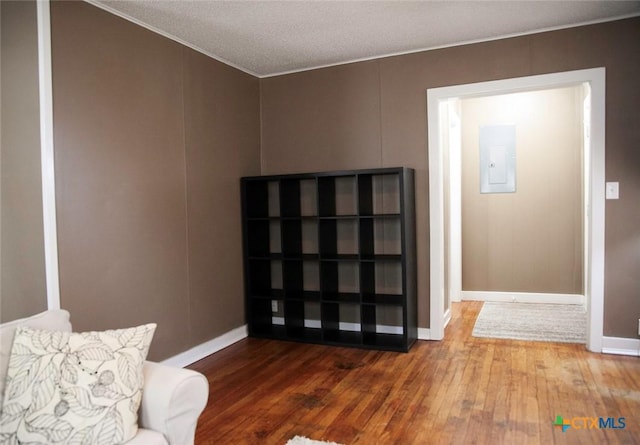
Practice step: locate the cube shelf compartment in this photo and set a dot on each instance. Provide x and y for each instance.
(330, 257)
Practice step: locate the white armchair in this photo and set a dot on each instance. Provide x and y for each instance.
(172, 401)
(172, 398)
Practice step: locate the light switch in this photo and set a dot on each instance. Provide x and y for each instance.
(612, 190)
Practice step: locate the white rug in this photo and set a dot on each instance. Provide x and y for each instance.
(299, 440)
(532, 321)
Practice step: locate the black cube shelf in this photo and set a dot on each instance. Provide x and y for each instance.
(331, 257)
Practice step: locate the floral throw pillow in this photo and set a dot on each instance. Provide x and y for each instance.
(74, 388)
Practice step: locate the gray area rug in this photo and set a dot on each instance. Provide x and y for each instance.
(564, 323)
(300, 440)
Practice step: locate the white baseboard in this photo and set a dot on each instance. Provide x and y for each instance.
(522, 297)
(447, 317)
(207, 348)
(424, 334)
(610, 345)
(621, 346)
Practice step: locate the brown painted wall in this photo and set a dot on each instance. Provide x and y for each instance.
(22, 271)
(222, 124)
(379, 108)
(322, 120)
(530, 240)
(151, 140)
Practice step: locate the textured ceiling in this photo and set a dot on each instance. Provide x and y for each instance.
(272, 37)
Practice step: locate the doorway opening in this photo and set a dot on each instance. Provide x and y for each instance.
(445, 194)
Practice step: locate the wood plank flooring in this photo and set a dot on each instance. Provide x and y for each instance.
(462, 390)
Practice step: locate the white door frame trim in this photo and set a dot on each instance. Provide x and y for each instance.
(436, 98)
(47, 155)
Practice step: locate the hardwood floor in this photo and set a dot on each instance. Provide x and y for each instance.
(462, 390)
